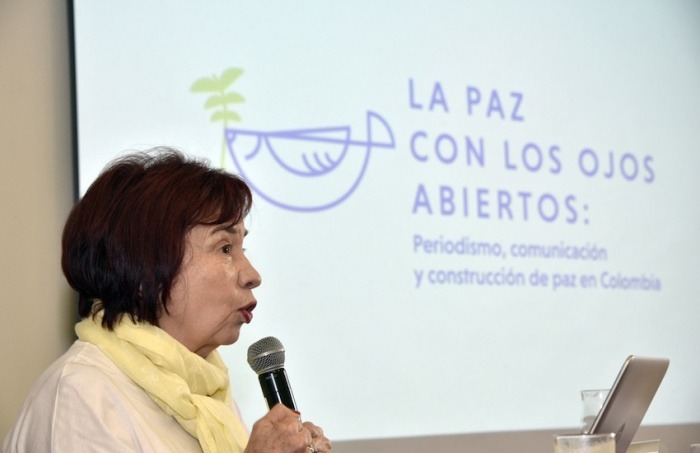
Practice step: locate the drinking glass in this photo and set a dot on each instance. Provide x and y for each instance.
(592, 403)
(585, 443)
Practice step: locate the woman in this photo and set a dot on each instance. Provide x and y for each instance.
(155, 251)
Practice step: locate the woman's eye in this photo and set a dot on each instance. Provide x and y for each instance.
(226, 249)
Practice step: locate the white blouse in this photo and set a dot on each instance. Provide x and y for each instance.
(84, 403)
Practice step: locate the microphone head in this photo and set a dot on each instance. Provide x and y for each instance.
(266, 354)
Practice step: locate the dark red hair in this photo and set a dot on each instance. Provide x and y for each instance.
(124, 241)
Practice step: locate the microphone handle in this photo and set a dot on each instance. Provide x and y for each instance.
(275, 387)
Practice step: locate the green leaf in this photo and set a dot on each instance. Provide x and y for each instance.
(205, 85)
(222, 115)
(228, 77)
(228, 98)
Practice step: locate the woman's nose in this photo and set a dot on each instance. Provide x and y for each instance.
(250, 278)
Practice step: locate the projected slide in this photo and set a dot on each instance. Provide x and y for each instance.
(464, 214)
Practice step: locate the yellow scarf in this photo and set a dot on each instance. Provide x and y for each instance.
(193, 390)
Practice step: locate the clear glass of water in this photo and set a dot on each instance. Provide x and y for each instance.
(592, 403)
(585, 443)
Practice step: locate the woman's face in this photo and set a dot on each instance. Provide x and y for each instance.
(212, 297)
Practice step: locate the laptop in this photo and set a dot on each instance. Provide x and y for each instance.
(629, 399)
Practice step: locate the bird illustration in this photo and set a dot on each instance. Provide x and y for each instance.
(306, 170)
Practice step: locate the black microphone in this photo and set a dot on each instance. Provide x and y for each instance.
(266, 358)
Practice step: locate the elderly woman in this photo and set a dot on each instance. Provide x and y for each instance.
(155, 251)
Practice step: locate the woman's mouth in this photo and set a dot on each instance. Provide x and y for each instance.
(247, 312)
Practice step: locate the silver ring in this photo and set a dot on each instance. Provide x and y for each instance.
(313, 448)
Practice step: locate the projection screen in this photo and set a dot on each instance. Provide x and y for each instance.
(465, 212)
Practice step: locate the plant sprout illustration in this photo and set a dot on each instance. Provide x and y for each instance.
(220, 99)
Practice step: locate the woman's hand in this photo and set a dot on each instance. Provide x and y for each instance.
(281, 431)
(320, 443)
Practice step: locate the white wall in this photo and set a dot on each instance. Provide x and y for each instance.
(36, 192)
